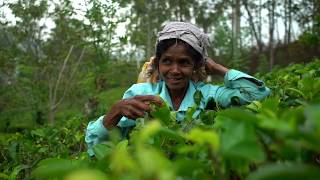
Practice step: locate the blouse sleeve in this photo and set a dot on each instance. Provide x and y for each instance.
(95, 134)
(240, 88)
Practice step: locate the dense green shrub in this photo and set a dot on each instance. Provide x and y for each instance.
(21, 151)
(277, 138)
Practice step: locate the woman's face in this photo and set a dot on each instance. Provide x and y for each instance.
(176, 67)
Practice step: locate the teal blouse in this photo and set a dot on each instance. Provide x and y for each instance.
(236, 84)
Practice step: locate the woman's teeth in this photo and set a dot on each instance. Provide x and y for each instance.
(173, 78)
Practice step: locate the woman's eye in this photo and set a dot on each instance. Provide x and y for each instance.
(166, 61)
(186, 63)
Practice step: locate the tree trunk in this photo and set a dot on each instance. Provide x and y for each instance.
(285, 21)
(271, 34)
(260, 21)
(290, 21)
(148, 53)
(253, 27)
(148, 47)
(52, 115)
(236, 30)
(53, 89)
(315, 17)
(180, 10)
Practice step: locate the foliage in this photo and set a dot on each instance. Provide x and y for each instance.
(308, 38)
(107, 98)
(295, 85)
(277, 138)
(21, 151)
(41, 68)
(52, 73)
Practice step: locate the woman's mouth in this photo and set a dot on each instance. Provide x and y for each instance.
(175, 79)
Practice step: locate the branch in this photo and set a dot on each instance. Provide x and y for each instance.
(245, 3)
(71, 77)
(60, 75)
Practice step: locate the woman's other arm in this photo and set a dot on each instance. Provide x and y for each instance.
(239, 88)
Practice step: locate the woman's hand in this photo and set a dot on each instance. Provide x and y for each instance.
(132, 108)
(214, 68)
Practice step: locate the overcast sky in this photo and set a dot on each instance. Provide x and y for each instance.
(80, 8)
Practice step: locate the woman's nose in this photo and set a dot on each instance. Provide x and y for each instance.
(175, 68)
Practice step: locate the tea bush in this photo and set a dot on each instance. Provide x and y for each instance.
(277, 138)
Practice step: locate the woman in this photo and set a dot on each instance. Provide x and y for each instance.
(180, 53)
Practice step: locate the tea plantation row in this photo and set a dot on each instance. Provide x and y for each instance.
(277, 138)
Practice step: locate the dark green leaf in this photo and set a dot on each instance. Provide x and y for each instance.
(197, 97)
(162, 114)
(286, 171)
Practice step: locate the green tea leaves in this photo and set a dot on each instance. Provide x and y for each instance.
(239, 140)
(285, 171)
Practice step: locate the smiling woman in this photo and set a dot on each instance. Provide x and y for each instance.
(181, 50)
(176, 67)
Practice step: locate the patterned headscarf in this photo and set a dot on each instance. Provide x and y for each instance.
(188, 33)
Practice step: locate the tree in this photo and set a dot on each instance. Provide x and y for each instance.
(25, 55)
(271, 8)
(102, 25)
(47, 71)
(146, 18)
(236, 32)
(180, 10)
(287, 20)
(256, 29)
